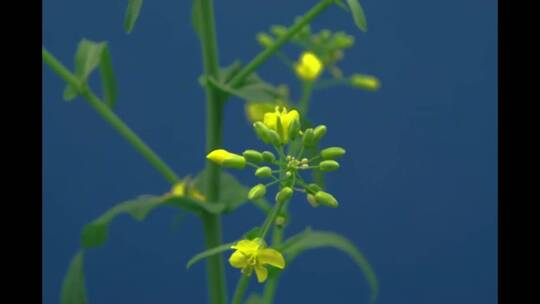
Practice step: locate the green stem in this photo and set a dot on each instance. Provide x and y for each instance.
(110, 117)
(214, 122)
(268, 52)
(307, 89)
(240, 289)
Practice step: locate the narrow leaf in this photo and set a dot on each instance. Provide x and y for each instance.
(208, 253)
(358, 14)
(108, 80)
(132, 14)
(311, 239)
(73, 289)
(96, 233)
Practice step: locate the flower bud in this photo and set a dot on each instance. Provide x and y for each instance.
(309, 138)
(294, 127)
(326, 199)
(253, 156)
(319, 132)
(312, 201)
(365, 82)
(263, 172)
(314, 188)
(257, 191)
(262, 131)
(284, 195)
(264, 39)
(280, 221)
(328, 165)
(332, 152)
(274, 138)
(279, 30)
(227, 159)
(268, 156)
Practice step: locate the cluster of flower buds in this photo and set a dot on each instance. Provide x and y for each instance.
(281, 129)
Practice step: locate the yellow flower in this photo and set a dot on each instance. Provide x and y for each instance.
(309, 67)
(283, 118)
(253, 255)
(227, 159)
(179, 190)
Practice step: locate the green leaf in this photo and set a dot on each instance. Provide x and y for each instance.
(208, 253)
(358, 14)
(108, 80)
(132, 14)
(232, 195)
(255, 91)
(311, 239)
(73, 289)
(88, 57)
(96, 233)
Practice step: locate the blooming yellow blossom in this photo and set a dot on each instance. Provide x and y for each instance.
(286, 120)
(253, 255)
(227, 159)
(309, 66)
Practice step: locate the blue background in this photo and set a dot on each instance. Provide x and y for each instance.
(418, 187)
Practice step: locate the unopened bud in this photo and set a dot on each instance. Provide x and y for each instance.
(253, 156)
(326, 199)
(309, 138)
(262, 131)
(280, 221)
(365, 82)
(319, 132)
(268, 156)
(312, 201)
(265, 39)
(257, 191)
(332, 152)
(329, 165)
(263, 172)
(284, 195)
(294, 127)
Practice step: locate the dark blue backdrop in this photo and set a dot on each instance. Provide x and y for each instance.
(418, 187)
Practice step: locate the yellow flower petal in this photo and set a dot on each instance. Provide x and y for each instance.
(309, 66)
(272, 257)
(261, 272)
(179, 189)
(218, 156)
(238, 259)
(247, 246)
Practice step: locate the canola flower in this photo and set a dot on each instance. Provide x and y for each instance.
(180, 189)
(280, 128)
(309, 67)
(250, 255)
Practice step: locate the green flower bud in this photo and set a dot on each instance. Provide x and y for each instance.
(332, 152)
(262, 131)
(314, 188)
(257, 191)
(329, 165)
(263, 172)
(294, 127)
(312, 201)
(279, 30)
(264, 39)
(268, 156)
(365, 82)
(280, 221)
(309, 138)
(343, 41)
(284, 195)
(274, 138)
(319, 132)
(326, 199)
(253, 156)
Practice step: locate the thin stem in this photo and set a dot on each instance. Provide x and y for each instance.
(214, 122)
(111, 118)
(241, 287)
(266, 53)
(307, 89)
(270, 288)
